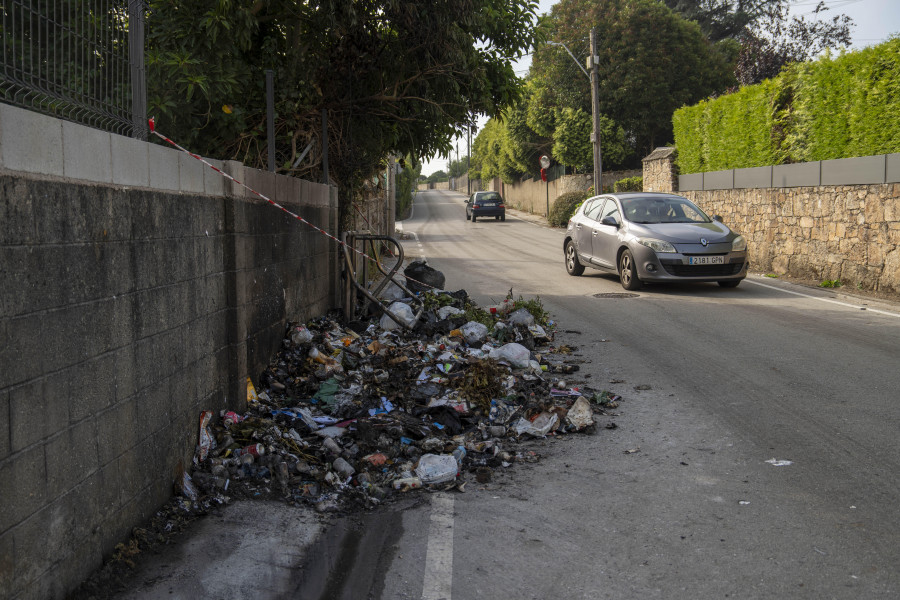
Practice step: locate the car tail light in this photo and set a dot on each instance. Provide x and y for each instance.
(501, 206)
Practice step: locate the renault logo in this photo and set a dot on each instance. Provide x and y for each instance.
(704, 242)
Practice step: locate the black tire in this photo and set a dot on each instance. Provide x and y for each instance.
(473, 217)
(502, 217)
(497, 218)
(573, 267)
(730, 283)
(628, 272)
(468, 217)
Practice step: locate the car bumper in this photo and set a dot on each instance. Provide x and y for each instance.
(676, 266)
(489, 212)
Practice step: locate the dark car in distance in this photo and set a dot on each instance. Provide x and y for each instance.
(653, 237)
(485, 204)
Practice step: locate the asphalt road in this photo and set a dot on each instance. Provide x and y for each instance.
(678, 501)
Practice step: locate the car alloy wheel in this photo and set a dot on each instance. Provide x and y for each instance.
(628, 272)
(573, 267)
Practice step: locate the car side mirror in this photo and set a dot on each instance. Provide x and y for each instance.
(717, 218)
(609, 220)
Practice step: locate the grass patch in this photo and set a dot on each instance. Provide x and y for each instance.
(831, 283)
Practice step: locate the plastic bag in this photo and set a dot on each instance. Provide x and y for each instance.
(437, 468)
(301, 335)
(543, 424)
(445, 312)
(580, 415)
(401, 311)
(474, 332)
(515, 354)
(521, 317)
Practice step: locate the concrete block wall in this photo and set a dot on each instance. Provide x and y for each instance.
(139, 288)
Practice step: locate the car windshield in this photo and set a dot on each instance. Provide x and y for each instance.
(667, 209)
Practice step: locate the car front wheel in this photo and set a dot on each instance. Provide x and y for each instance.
(573, 267)
(628, 272)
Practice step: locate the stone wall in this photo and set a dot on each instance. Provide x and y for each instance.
(660, 174)
(139, 288)
(850, 233)
(532, 195)
(823, 232)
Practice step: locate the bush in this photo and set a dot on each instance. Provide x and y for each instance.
(629, 184)
(564, 207)
(834, 107)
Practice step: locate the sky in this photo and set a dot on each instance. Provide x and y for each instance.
(875, 21)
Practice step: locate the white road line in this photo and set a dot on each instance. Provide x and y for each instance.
(439, 556)
(829, 300)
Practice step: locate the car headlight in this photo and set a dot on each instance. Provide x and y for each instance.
(656, 245)
(739, 244)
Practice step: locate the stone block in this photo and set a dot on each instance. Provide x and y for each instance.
(854, 171)
(191, 174)
(213, 181)
(30, 141)
(24, 488)
(5, 431)
(92, 387)
(163, 168)
(71, 457)
(17, 222)
(797, 175)
(118, 430)
(130, 161)
(7, 563)
(33, 417)
(86, 153)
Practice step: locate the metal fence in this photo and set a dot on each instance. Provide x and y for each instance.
(79, 60)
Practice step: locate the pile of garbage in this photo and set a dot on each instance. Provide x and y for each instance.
(361, 412)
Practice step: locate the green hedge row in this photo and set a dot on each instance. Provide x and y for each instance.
(831, 108)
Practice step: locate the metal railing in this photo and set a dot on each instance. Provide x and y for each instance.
(79, 60)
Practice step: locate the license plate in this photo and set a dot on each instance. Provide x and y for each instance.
(706, 260)
(490, 204)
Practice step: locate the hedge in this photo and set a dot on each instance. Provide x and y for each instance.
(629, 184)
(831, 108)
(564, 207)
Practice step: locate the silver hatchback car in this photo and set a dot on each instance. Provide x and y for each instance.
(653, 237)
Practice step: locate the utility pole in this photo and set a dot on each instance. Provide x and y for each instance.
(593, 59)
(469, 161)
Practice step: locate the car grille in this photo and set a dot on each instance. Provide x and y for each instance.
(680, 270)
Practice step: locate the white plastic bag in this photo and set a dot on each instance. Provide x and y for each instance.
(401, 311)
(521, 317)
(445, 312)
(437, 468)
(541, 426)
(515, 354)
(580, 415)
(474, 332)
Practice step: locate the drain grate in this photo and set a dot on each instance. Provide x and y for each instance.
(617, 295)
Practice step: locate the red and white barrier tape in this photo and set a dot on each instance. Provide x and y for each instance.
(152, 124)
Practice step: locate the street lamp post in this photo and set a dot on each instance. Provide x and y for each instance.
(594, 76)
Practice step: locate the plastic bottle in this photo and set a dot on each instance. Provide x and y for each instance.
(410, 482)
(459, 454)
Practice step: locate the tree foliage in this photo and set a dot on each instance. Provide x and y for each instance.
(773, 41)
(394, 77)
(652, 61)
